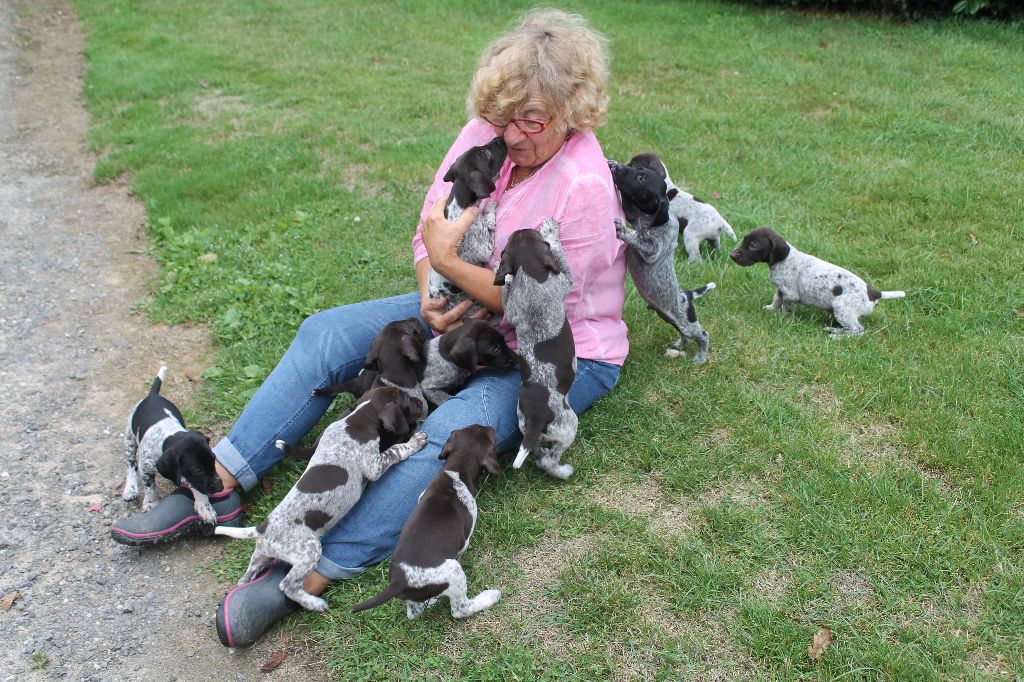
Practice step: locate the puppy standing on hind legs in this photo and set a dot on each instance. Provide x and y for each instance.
(650, 253)
(535, 280)
(425, 565)
(347, 456)
(156, 441)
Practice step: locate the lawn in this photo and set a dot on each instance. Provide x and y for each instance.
(720, 516)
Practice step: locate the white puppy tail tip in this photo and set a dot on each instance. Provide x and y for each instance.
(893, 294)
(162, 372)
(520, 458)
(710, 285)
(279, 444)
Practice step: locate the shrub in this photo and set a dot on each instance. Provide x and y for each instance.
(914, 9)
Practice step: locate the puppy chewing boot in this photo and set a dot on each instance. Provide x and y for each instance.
(175, 517)
(251, 609)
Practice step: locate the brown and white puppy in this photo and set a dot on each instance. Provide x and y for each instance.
(535, 279)
(348, 455)
(156, 441)
(457, 354)
(699, 221)
(425, 565)
(801, 278)
(397, 358)
(472, 175)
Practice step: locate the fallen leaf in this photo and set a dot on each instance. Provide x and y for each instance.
(203, 84)
(823, 44)
(1020, 313)
(716, 195)
(821, 641)
(285, 640)
(840, 229)
(94, 507)
(672, 353)
(207, 257)
(7, 601)
(974, 240)
(276, 659)
(739, 154)
(266, 484)
(190, 377)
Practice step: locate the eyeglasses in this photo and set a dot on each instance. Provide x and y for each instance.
(530, 126)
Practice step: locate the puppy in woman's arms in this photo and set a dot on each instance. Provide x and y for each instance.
(801, 278)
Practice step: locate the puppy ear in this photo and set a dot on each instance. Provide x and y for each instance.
(480, 184)
(450, 175)
(779, 250)
(672, 193)
(169, 464)
(411, 350)
(392, 419)
(447, 449)
(505, 268)
(549, 261)
(661, 215)
(463, 354)
(490, 464)
(372, 361)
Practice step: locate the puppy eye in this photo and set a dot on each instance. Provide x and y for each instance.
(753, 245)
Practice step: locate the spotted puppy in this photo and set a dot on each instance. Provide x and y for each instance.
(535, 279)
(473, 175)
(650, 253)
(425, 565)
(455, 355)
(347, 457)
(397, 357)
(156, 441)
(801, 278)
(699, 221)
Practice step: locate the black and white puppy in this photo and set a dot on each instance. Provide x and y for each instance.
(473, 175)
(699, 221)
(425, 565)
(650, 253)
(397, 357)
(450, 358)
(156, 441)
(348, 455)
(801, 278)
(535, 279)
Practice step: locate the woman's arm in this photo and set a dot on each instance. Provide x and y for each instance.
(441, 239)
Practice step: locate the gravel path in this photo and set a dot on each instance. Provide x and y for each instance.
(73, 359)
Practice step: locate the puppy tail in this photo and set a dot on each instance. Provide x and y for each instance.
(389, 592)
(238, 533)
(697, 293)
(158, 381)
(875, 294)
(520, 457)
(727, 228)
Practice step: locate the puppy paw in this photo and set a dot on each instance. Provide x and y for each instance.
(621, 228)
(488, 598)
(770, 306)
(207, 513)
(314, 604)
(562, 471)
(130, 493)
(147, 505)
(700, 359)
(418, 440)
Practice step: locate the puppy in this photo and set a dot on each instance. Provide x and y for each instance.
(455, 355)
(397, 358)
(347, 457)
(156, 436)
(450, 358)
(535, 279)
(650, 253)
(699, 221)
(802, 278)
(425, 565)
(473, 175)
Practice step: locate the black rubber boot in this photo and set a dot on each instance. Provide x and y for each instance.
(175, 517)
(249, 610)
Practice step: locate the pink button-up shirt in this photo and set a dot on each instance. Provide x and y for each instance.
(575, 188)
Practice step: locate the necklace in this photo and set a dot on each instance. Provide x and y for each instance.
(514, 183)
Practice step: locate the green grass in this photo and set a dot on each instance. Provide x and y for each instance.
(720, 515)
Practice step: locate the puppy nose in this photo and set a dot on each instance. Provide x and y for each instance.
(734, 254)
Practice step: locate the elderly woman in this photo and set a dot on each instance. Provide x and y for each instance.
(543, 88)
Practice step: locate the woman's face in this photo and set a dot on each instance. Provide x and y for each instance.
(531, 150)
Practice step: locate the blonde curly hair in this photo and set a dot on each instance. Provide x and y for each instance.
(552, 56)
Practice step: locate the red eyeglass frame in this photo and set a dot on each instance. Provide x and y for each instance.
(515, 121)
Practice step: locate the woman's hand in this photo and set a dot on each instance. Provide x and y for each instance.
(433, 313)
(442, 238)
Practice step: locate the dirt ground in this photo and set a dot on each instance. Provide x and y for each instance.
(74, 356)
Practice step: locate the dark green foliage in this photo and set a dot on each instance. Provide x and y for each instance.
(914, 9)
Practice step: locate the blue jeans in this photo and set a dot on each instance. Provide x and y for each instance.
(329, 348)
